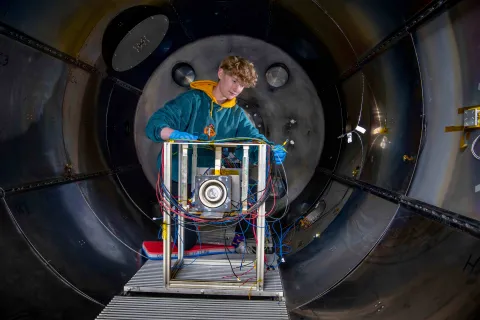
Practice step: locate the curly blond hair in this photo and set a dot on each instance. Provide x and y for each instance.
(240, 68)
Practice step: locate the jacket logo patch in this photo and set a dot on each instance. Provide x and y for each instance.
(210, 131)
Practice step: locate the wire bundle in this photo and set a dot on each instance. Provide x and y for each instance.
(171, 205)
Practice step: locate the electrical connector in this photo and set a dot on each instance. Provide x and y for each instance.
(471, 118)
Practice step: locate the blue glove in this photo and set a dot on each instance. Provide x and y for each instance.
(179, 135)
(225, 152)
(279, 154)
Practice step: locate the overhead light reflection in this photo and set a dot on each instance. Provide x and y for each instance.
(383, 143)
(380, 130)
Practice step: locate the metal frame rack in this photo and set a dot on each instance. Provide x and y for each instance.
(170, 279)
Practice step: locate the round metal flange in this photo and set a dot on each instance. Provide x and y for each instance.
(277, 75)
(287, 102)
(140, 42)
(212, 193)
(183, 74)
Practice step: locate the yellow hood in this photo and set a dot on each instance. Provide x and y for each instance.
(207, 87)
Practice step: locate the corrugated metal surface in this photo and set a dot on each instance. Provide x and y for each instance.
(132, 308)
(217, 236)
(218, 273)
(150, 277)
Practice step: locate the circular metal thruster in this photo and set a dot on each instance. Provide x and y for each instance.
(183, 74)
(277, 75)
(140, 42)
(212, 193)
(297, 99)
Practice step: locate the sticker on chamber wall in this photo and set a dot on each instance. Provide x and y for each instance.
(349, 137)
(360, 129)
(477, 188)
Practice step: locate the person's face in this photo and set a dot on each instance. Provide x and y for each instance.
(229, 86)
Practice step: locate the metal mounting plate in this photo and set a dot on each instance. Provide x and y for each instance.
(140, 42)
(226, 205)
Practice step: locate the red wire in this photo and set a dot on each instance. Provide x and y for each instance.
(165, 206)
(161, 199)
(240, 274)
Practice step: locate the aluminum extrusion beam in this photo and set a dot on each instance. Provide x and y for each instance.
(434, 7)
(21, 37)
(446, 217)
(61, 180)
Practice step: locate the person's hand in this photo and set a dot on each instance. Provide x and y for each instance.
(279, 154)
(179, 135)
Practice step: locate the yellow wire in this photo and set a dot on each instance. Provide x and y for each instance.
(251, 288)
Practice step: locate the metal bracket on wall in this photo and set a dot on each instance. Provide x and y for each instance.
(66, 179)
(434, 7)
(21, 37)
(471, 121)
(426, 210)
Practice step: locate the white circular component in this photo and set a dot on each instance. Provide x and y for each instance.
(212, 193)
(140, 42)
(277, 76)
(183, 74)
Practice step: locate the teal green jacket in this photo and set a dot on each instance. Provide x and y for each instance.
(197, 112)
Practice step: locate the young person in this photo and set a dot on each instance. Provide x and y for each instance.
(209, 112)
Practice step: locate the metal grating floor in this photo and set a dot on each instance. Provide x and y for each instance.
(216, 236)
(136, 308)
(150, 278)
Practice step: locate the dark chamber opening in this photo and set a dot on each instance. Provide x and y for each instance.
(71, 247)
(215, 18)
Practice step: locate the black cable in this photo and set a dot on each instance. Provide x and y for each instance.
(325, 212)
(287, 206)
(233, 221)
(174, 203)
(233, 271)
